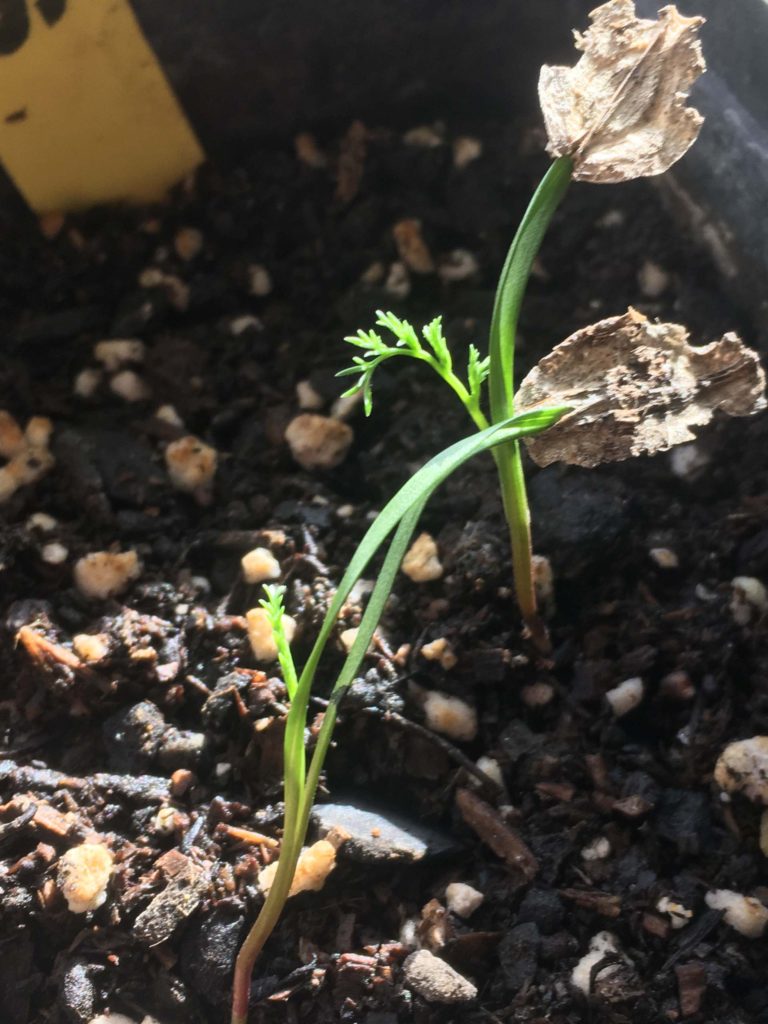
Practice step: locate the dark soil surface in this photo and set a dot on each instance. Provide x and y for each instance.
(93, 747)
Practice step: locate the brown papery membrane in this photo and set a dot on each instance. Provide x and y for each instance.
(621, 112)
(636, 388)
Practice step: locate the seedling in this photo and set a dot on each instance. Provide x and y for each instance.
(497, 368)
(618, 388)
(619, 114)
(398, 519)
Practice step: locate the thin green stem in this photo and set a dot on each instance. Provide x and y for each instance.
(294, 769)
(506, 313)
(300, 788)
(403, 512)
(453, 381)
(265, 924)
(514, 280)
(370, 621)
(365, 633)
(514, 497)
(294, 759)
(401, 515)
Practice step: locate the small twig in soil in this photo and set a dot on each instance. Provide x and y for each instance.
(453, 752)
(46, 652)
(246, 835)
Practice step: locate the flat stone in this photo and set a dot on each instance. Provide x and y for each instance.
(374, 838)
(180, 748)
(517, 741)
(435, 980)
(139, 737)
(544, 908)
(111, 463)
(136, 789)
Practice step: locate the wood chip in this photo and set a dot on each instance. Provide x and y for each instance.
(412, 248)
(351, 163)
(656, 925)
(45, 651)
(52, 821)
(483, 819)
(691, 986)
(173, 864)
(187, 884)
(632, 807)
(245, 835)
(556, 790)
(603, 903)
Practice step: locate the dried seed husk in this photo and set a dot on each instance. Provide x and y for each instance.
(621, 112)
(636, 388)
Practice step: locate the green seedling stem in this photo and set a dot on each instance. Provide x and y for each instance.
(501, 383)
(400, 515)
(498, 368)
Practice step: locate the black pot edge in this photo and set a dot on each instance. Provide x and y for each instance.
(719, 190)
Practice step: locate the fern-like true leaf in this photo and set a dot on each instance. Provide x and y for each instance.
(477, 371)
(433, 335)
(402, 330)
(369, 340)
(273, 605)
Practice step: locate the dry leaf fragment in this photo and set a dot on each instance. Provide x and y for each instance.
(636, 388)
(620, 111)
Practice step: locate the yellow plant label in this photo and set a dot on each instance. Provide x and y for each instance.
(86, 113)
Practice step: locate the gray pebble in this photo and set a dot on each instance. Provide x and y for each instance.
(180, 748)
(133, 736)
(139, 738)
(435, 980)
(374, 838)
(77, 991)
